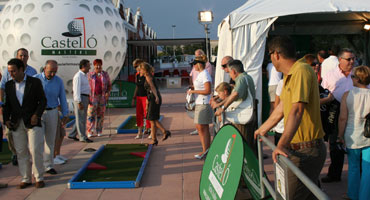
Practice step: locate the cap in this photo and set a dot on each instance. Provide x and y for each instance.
(199, 59)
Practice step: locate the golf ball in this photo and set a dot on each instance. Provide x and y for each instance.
(66, 31)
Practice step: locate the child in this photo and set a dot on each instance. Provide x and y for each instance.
(223, 90)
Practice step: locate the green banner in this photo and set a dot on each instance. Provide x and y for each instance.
(251, 173)
(223, 165)
(68, 52)
(121, 94)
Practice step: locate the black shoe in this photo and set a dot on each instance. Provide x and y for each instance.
(14, 160)
(73, 138)
(166, 135)
(51, 171)
(328, 179)
(88, 140)
(154, 142)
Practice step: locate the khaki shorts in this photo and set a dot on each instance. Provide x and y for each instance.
(203, 114)
(272, 92)
(61, 132)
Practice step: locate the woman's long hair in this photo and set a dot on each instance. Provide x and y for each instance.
(147, 68)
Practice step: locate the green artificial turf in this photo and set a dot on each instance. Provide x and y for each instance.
(121, 166)
(131, 124)
(5, 154)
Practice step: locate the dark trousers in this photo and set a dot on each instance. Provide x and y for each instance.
(336, 157)
(1, 138)
(247, 132)
(277, 137)
(336, 154)
(310, 161)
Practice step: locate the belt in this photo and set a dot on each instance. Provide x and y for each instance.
(86, 95)
(50, 108)
(304, 145)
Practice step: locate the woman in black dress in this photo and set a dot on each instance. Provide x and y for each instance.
(154, 101)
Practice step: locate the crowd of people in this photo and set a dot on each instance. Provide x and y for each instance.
(35, 111)
(315, 99)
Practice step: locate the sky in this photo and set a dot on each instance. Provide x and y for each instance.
(162, 14)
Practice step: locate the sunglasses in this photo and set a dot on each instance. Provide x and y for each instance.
(353, 76)
(224, 66)
(273, 52)
(349, 59)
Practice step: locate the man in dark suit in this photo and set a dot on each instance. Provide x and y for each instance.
(24, 104)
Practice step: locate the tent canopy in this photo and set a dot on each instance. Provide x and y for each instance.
(242, 34)
(257, 10)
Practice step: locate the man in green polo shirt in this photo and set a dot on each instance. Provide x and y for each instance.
(301, 140)
(240, 92)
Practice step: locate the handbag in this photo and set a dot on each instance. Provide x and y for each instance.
(190, 102)
(367, 126)
(241, 112)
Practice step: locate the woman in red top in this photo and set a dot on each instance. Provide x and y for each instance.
(100, 87)
(140, 96)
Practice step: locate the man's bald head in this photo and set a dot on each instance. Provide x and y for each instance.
(50, 69)
(225, 61)
(199, 52)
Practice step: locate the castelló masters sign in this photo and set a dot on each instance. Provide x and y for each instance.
(74, 41)
(223, 166)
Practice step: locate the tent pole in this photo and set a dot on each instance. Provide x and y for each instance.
(366, 48)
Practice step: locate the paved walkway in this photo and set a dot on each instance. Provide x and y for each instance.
(171, 173)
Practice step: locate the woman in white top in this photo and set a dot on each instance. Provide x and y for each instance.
(353, 110)
(203, 111)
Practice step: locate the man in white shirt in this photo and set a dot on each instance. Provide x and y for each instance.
(274, 78)
(22, 111)
(81, 92)
(331, 62)
(22, 54)
(337, 81)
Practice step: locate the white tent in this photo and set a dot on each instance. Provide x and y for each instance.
(242, 34)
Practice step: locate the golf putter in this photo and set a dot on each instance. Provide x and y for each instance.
(109, 126)
(142, 134)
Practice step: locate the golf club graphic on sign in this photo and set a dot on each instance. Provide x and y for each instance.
(223, 165)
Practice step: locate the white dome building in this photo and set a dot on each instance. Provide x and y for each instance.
(66, 31)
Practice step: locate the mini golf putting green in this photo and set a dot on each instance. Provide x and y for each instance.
(5, 154)
(123, 169)
(129, 125)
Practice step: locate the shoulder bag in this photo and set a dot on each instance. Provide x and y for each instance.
(367, 126)
(241, 112)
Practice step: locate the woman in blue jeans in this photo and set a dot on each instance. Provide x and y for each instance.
(354, 107)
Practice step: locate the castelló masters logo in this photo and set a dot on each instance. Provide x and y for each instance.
(73, 42)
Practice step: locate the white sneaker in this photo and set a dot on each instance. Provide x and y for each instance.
(89, 135)
(138, 136)
(60, 157)
(150, 137)
(194, 132)
(58, 161)
(99, 134)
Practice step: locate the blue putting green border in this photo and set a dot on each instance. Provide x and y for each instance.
(120, 129)
(74, 184)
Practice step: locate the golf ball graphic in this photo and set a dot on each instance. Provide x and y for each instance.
(74, 28)
(66, 31)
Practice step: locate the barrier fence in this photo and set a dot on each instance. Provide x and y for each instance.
(284, 161)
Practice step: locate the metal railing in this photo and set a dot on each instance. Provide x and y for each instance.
(300, 175)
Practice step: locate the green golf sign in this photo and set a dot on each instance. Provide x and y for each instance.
(251, 173)
(223, 165)
(121, 94)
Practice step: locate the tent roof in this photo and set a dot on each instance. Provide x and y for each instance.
(354, 11)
